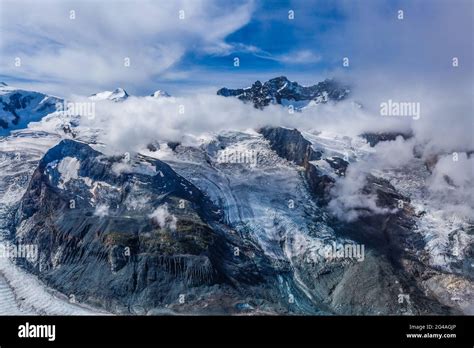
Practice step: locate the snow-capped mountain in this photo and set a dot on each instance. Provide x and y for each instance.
(20, 107)
(151, 224)
(119, 94)
(236, 224)
(280, 90)
(160, 94)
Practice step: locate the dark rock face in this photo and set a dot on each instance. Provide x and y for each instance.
(338, 164)
(370, 287)
(279, 89)
(158, 237)
(374, 138)
(319, 183)
(290, 144)
(173, 145)
(396, 254)
(67, 129)
(391, 265)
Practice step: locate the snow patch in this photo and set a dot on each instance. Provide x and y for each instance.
(69, 169)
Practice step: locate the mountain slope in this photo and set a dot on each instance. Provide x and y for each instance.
(132, 236)
(273, 202)
(19, 107)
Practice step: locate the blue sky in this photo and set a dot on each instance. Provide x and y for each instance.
(272, 44)
(86, 54)
(275, 36)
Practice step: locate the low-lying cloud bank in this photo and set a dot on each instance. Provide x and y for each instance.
(443, 128)
(443, 125)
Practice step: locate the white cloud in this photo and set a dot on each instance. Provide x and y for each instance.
(348, 201)
(451, 185)
(88, 53)
(101, 210)
(128, 125)
(164, 218)
(299, 57)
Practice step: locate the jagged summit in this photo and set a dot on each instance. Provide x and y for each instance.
(160, 94)
(119, 94)
(280, 90)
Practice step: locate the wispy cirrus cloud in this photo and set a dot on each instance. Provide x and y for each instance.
(299, 57)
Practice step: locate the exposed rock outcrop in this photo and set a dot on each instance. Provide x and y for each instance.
(280, 90)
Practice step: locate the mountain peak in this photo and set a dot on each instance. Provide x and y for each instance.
(280, 90)
(160, 94)
(118, 94)
(279, 79)
(120, 91)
